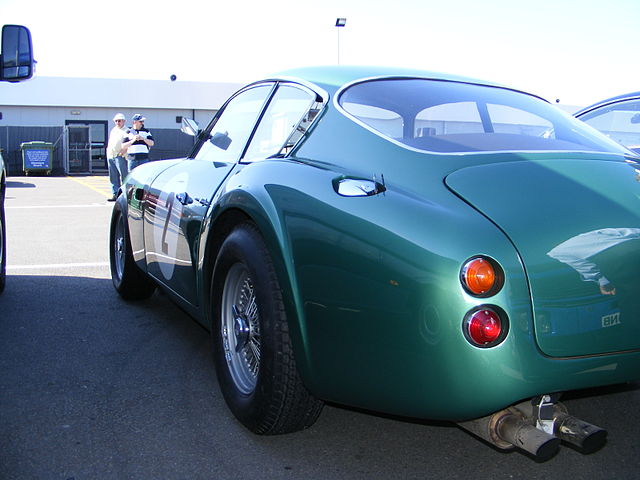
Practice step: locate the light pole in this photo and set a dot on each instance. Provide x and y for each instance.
(340, 22)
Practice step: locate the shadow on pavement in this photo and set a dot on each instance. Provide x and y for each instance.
(17, 184)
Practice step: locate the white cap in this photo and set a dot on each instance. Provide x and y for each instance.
(118, 116)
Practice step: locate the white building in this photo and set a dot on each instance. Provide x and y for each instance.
(75, 115)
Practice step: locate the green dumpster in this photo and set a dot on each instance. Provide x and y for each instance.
(37, 157)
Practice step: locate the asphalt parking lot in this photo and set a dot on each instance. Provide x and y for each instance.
(92, 387)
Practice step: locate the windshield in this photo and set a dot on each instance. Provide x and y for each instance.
(454, 117)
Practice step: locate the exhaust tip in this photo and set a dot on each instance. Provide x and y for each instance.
(519, 426)
(586, 437)
(515, 430)
(594, 442)
(547, 450)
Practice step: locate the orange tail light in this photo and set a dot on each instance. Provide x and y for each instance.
(481, 277)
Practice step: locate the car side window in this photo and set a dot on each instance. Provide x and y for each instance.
(229, 134)
(290, 109)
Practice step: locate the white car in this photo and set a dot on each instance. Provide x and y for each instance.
(617, 117)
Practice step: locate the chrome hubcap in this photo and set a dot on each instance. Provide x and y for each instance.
(241, 329)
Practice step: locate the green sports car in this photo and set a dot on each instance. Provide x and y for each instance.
(399, 241)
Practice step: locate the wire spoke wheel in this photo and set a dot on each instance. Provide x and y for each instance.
(253, 352)
(128, 279)
(119, 246)
(240, 329)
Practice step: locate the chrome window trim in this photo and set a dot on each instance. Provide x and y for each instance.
(318, 96)
(603, 104)
(204, 135)
(313, 88)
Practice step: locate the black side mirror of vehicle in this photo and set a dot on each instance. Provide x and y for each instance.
(16, 61)
(221, 140)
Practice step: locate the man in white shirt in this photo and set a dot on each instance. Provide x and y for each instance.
(115, 160)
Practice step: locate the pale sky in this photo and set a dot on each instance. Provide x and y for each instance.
(578, 51)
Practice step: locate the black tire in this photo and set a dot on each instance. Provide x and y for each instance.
(3, 243)
(129, 281)
(255, 364)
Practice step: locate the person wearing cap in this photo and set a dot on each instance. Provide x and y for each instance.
(116, 162)
(137, 142)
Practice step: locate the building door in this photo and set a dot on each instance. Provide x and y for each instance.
(77, 141)
(97, 143)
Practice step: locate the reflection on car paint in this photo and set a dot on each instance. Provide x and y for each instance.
(577, 252)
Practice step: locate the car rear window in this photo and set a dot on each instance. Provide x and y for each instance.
(457, 117)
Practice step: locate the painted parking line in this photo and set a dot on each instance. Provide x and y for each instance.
(97, 183)
(57, 207)
(56, 266)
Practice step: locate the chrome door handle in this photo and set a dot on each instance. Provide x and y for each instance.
(357, 187)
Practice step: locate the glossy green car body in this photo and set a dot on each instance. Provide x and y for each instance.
(371, 283)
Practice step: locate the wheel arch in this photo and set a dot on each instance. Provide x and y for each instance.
(275, 236)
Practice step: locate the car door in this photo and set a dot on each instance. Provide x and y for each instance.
(183, 193)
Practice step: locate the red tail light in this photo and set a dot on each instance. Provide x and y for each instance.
(481, 277)
(485, 326)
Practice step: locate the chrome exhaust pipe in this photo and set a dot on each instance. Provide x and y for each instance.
(587, 437)
(537, 427)
(508, 429)
(519, 432)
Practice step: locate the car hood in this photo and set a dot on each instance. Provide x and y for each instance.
(576, 226)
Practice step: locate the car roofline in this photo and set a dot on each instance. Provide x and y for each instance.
(609, 101)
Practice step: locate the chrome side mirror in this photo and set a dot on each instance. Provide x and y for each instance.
(190, 127)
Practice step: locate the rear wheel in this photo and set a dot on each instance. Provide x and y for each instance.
(254, 358)
(129, 281)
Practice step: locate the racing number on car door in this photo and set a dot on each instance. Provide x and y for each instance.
(169, 205)
(184, 193)
(166, 230)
